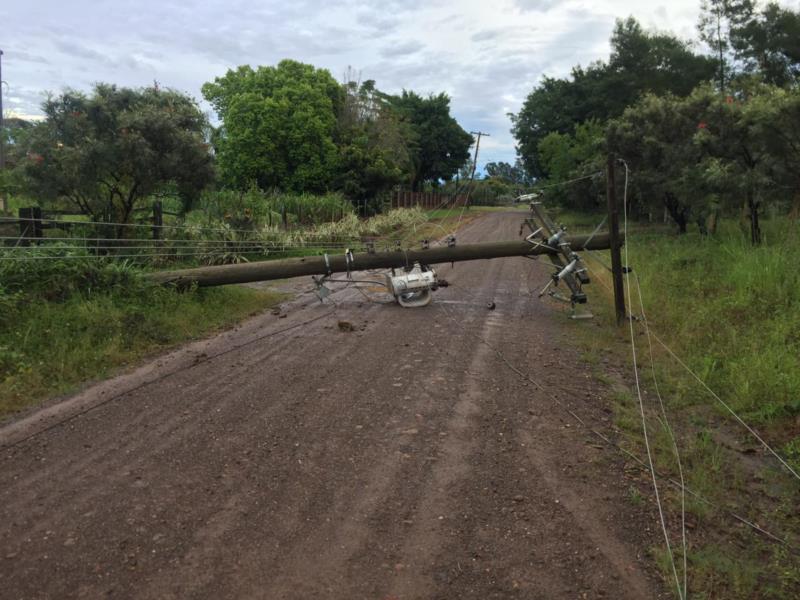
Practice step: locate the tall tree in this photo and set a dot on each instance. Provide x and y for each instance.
(278, 126)
(572, 156)
(718, 19)
(640, 62)
(656, 139)
(106, 151)
(768, 44)
(373, 143)
(439, 145)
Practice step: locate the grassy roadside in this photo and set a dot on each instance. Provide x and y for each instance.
(63, 323)
(732, 313)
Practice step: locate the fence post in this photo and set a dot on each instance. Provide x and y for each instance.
(158, 219)
(30, 224)
(614, 241)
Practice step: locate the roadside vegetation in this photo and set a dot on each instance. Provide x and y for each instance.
(731, 313)
(72, 319)
(706, 139)
(707, 144)
(69, 316)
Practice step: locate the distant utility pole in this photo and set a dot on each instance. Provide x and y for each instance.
(477, 147)
(474, 162)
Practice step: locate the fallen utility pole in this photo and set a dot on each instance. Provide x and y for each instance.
(345, 263)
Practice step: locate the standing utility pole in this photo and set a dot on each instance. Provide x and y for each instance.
(615, 242)
(474, 162)
(477, 147)
(2, 135)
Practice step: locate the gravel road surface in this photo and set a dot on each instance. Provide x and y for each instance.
(394, 455)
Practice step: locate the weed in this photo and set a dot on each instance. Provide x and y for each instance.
(68, 321)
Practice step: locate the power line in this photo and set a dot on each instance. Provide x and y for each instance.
(568, 182)
(671, 434)
(472, 175)
(642, 465)
(681, 593)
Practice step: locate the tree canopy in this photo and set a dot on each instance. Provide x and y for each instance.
(293, 127)
(278, 126)
(438, 146)
(702, 134)
(640, 62)
(105, 151)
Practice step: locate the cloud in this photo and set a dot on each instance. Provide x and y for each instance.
(77, 50)
(486, 56)
(402, 49)
(536, 5)
(22, 56)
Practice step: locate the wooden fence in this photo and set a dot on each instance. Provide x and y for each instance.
(427, 200)
(33, 221)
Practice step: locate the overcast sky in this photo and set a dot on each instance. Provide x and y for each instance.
(487, 55)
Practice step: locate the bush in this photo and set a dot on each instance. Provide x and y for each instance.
(255, 209)
(67, 320)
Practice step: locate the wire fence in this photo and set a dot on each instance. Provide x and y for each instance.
(42, 236)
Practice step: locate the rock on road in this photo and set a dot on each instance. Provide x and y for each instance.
(293, 459)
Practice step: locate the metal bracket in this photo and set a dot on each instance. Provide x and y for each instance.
(567, 263)
(319, 287)
(348, 260)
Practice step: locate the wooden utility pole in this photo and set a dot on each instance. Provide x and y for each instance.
(615, 240)
(2, 125)
(474, 162)
(2, 135)
(340, 263)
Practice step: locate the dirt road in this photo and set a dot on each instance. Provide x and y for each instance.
(400, 460)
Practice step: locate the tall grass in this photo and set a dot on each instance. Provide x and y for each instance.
(731, 309)
(255, 209)
(63, 322)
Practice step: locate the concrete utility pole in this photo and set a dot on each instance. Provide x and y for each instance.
(340, 263)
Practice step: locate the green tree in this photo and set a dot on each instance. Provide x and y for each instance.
(656, 139)
(373, 144)
(106, 151)
(731, 135)
(640, 62)
(278, 126)
(718, 19)
(504, 171)
(572, 156)
(775, 117)
(710, 151)
(438, 145)
(768, 44)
